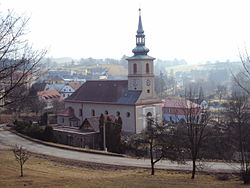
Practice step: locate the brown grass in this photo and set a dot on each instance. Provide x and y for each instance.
(45, 171)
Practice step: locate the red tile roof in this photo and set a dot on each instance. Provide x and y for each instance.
(179, 103)
(93, 122)
(67, 112)
(50, 95)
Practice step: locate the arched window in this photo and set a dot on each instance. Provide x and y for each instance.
(128, 114)
(80, 112)
(149, 115)
(147, 68)
(149, 119)
(134, 68)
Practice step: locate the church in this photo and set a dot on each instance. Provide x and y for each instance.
(133, 99)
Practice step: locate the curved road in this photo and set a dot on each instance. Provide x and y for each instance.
(10, 139)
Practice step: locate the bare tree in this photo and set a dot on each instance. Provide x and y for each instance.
(195, 124)
(239, 128)
(159, 142)
(21, 156)
(151, 134)
(19, 63)
(242, 79)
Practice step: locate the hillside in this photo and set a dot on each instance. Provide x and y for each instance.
(230, 66)
(44, 171)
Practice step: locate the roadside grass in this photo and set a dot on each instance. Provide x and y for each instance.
(44, 171)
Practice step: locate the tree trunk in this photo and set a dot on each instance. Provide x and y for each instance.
(194, 169)
(21, 170)
(152, 159)
(152, 169)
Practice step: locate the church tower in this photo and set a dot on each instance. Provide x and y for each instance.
(141, 68)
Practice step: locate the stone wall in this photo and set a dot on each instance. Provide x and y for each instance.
(83, 140)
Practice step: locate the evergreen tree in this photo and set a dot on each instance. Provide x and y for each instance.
(101, 125)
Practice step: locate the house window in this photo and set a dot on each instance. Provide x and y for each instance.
(106, 112)
(128, 114)
(93, 112)
(148, 91)
(80, 112)
(118, 113)
(147, 68)
(134, 68)
(63, 120)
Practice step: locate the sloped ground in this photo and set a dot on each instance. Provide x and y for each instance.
(46, 171)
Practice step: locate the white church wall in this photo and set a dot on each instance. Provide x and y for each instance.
(87, 110)
(141, 113)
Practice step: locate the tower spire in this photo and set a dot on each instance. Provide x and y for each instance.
(140, 29)
(140, 48)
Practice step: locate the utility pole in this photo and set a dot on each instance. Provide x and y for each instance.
(161, 84)
(104, 136)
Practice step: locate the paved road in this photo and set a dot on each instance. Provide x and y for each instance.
(10, 139)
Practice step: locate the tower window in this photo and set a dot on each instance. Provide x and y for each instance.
(147, 68)
(148, 91)
(134, 68)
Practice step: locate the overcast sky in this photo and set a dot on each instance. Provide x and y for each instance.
(194, 30)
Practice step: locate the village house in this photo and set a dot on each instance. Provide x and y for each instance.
(49, 97)
(65, 90)
(177, 110)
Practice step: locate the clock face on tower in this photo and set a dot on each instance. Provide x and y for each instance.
(134, 82)
(148, 82)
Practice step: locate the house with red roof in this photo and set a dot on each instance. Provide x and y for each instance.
(177, 110)
(133, 99)
(49, 96)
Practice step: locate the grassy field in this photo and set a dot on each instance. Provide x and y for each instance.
(44, 171)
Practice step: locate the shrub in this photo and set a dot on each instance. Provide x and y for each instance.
(223, 177)
(48, 134)
(20, 126)
(34, 131)
(245, 177)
